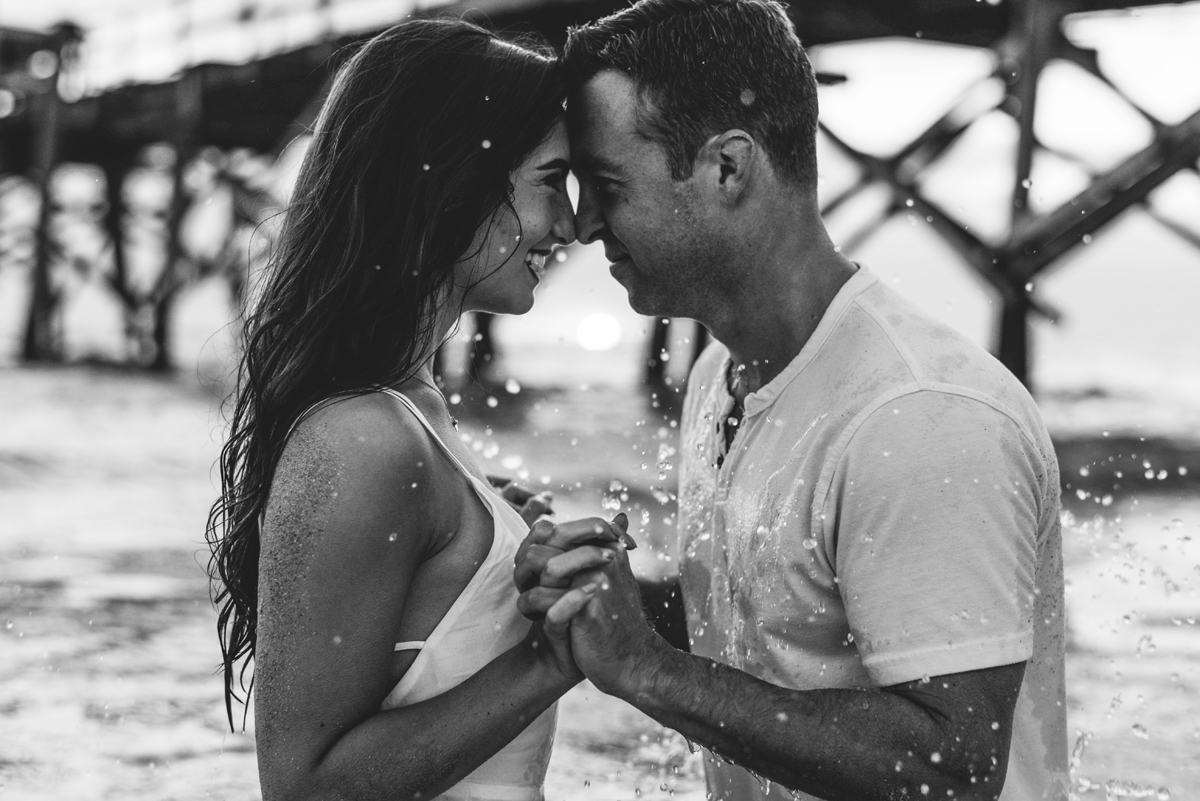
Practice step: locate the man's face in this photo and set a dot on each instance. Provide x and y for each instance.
(653, 228)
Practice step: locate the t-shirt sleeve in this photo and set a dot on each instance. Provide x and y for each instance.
(932, 516)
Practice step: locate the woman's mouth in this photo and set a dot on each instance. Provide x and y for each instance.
(536, 262)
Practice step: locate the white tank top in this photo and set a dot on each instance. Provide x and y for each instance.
(482, 623)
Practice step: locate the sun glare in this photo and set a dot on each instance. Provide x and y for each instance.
(598, 332)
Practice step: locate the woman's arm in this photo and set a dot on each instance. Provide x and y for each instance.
(353, 512)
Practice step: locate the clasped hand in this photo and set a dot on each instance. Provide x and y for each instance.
(575, 578)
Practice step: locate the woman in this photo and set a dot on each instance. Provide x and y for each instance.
(360, 558)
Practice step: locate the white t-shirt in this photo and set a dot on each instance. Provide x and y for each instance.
(888, 510)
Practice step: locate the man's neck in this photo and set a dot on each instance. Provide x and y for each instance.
(769, 319)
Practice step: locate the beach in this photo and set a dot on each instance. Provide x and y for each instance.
(108, 651)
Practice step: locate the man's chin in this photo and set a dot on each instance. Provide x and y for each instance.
(623, 275)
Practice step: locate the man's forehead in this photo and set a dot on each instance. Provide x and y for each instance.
(602, 117)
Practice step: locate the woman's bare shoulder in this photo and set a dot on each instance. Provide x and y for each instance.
(356, 463)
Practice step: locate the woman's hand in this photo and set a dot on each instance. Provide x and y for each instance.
(549, 561)
(529, 504)
(545, 557)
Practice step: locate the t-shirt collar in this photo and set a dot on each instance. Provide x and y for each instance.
(762, 399)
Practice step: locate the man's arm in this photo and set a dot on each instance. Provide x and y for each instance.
(662, 601)
(947, 737)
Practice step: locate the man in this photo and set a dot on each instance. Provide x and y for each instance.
(869, 540)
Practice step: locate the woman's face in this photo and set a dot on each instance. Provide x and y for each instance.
(513, 259)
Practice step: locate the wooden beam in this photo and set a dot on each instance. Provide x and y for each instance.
(1047, 239)
(40, 343)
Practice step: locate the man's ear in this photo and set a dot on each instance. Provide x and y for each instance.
(731, 159)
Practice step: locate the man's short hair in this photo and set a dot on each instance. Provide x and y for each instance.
(705, 66)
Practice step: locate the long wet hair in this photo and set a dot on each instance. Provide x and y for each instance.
(410, 158)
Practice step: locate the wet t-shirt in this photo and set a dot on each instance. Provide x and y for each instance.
(887, 510)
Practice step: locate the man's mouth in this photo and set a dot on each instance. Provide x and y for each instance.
(536, 262)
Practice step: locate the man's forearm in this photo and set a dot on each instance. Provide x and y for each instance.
(662, 601)
(834, 743)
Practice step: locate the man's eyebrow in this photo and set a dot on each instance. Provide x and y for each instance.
(554, 164)
(589, 162)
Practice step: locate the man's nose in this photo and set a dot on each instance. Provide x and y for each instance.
(589, 222)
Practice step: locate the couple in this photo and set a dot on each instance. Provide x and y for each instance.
(869, 541)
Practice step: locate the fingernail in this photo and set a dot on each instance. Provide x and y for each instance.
(608, 556)
(588, 589)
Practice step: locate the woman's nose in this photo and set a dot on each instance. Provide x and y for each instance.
(563, 229)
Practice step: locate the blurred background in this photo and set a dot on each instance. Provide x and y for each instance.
(1025, 170)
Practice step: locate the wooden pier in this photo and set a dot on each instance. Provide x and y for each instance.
(261, 105)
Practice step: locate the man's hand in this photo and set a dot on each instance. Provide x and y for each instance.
(610, 638)
(546, 562)
(551, 637)
(529, 504)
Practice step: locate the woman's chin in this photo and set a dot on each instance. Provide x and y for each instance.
(524, 306)
(514, 306)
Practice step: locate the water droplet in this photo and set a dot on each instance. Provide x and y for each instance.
(1140, 731)
(485, 144)
(809, 543)
(1086, 239)
(492, 402)
(425, 167)
(511, 386)
(392, 537)
(935, 757)
(490, 450)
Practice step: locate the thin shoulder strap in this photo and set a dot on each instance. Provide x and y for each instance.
(412, 407)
